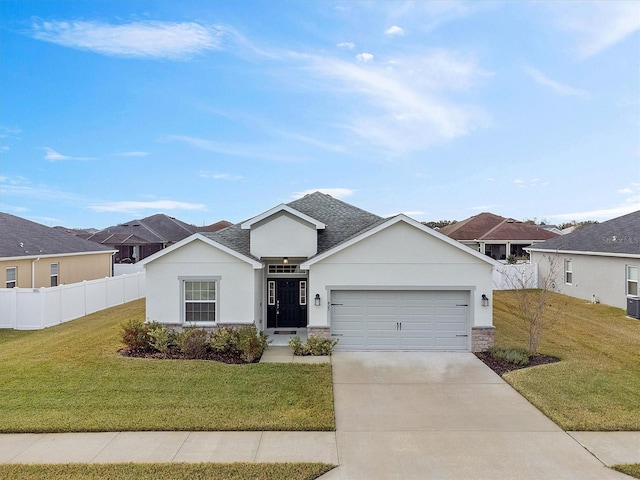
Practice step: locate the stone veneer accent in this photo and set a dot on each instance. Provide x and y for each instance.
(320, 332)
(482, 338)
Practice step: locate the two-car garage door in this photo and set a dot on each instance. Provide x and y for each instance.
(400, 319)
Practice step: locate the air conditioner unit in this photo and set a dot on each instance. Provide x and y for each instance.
(633, 307)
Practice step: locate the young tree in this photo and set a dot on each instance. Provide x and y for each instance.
(532, 298)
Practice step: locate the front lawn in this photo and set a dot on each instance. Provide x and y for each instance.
(596, 386)
(71, 378)
(169, 471)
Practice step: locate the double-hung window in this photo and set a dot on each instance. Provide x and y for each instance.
(54, 274)
(11, 278)
(200, 300)
(568, 271)
(632, 280)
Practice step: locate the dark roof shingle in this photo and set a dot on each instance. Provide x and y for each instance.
(342, 222)
(619, 235)
(20, 237)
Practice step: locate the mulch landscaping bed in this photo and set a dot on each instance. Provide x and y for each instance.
(175, 354)
(502, 366)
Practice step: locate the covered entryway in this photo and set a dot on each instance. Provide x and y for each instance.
(286, 303)
(400, 319)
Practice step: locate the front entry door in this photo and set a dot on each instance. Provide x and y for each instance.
(286, 303)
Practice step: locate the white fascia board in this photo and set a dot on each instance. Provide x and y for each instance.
(286, 208)
(393, 221)
(198, 236)
(578, 252)
(55, 255)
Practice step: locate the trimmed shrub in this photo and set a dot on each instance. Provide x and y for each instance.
(224, 340)
(517, 356)
(192, 342)
(160, 337)
(246, 342)
(251, 343)
(315, 346)
(135, 335)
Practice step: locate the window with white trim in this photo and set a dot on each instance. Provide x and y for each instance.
(272, 292)
(303, 292)
(632, 280)
(568, 271)
(11, 278)
(200, 300)
(283, 268)
(54, 274)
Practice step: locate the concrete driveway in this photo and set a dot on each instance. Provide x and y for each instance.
(444, 415)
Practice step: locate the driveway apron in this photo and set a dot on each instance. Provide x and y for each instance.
(444, 415)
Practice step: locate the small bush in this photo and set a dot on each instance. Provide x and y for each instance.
(192, 342)
(315, 346)
(247, 342)
(224, 340)
(160, 337)
(135, 335)
(517, 356)
(251, 343)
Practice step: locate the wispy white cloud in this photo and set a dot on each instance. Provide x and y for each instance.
(402, 109)
(531, 183)
(346, 45)
(243, 151)
(52, 156)
(338, 193)
(136, 206)
(394, 31)
(625, 190)
(557, 87)
(364, 57)
(19, 186)
(133, 154)
(597, 25)
(137, 39)
(485, 208)
(221, 176)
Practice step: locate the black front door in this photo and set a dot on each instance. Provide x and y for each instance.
(287, 303)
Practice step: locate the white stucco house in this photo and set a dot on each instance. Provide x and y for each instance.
(598, 263)
(320, 266)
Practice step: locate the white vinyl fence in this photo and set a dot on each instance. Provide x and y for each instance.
(510, 277)
(124, 268)
(38, 308)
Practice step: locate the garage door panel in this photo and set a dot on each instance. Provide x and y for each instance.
(396, 320)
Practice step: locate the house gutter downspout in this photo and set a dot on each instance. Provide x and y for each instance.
(33, 272)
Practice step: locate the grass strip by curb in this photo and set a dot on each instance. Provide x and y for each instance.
(168, 471)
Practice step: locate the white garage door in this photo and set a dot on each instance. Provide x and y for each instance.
(400, 320)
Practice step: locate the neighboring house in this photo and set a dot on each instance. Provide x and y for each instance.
(214, 227)
(33, 256)
(320, 266)
(496, 236)
(598, 263)
(137, 239)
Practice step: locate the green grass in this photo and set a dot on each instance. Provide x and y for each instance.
(596, 386)
(71, 378)
(169, 471)
(632, 469)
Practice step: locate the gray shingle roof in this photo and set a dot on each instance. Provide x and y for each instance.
(158, 228)
(23, 238)
(619, 235)
(343, 221)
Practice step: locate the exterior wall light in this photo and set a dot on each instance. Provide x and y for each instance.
(285, 260)
(485, 300)
(316, 301)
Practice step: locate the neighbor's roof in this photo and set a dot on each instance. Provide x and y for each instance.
(342, 221)
(20, 237)
(617, 236)
(488, 226)
(158, 228)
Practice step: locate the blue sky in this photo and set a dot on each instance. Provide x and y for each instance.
(216, 110)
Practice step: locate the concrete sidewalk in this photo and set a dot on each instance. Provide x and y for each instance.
(165, 447)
